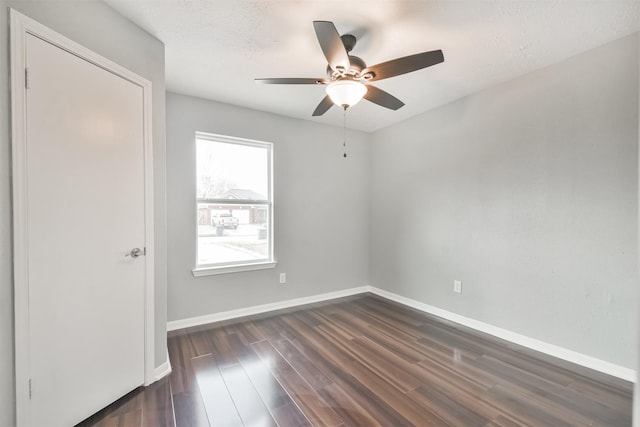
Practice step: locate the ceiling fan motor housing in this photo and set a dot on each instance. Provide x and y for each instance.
(357, 65)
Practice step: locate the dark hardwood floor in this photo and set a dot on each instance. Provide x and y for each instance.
(365, 361)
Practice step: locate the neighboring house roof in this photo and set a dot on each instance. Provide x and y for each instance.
(242, 194)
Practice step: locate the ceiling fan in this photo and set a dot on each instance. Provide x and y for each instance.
(348, 76)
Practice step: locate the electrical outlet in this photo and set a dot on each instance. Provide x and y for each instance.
(457, 286)
(283, 278)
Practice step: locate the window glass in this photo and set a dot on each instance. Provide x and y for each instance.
(233, 201)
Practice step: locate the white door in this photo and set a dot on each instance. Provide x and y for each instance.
(85, 211)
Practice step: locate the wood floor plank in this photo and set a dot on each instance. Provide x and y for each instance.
(559, 402)
(282, 408)
(269, 328)
(465, 392)
(305, 367)
(387, 364)
(374, 333)
(307, 399)
(245, 330)
(512, 354)
(454, 411)
(348, 408)
(411, 412)
(387, 309)
(158, 405)
(201, 343)
(218, 402)
(225, 356)
(614, 399)
(356, 404)
(457, 372)
(525, 409)
(278, 402)
(503, 421)
(246, 399)
(290, 415)
(380, 323)
(327, 349)
(350, 398)
(178, 378)
(189, 410)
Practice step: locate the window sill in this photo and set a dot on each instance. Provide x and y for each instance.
(210, 271)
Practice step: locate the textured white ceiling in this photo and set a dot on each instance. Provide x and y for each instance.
(215, 48)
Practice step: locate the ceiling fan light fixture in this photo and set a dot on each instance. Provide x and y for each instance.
(346, 93)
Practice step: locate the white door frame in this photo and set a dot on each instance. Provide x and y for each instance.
(22, 25)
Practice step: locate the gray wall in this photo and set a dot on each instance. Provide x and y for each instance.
(636, 396)
(98, 27)
(320, 201)
(528, 193)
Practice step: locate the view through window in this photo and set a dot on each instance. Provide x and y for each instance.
(234, 204)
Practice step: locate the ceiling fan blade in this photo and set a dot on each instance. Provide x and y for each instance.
(292, 81)
(382, 98)
(332, 46)
(324, 105)
(404, 65)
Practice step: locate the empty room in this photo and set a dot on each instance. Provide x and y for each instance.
(319, 213)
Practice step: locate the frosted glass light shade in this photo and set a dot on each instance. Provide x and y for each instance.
(346, 92)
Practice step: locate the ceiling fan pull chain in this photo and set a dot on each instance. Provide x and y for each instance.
(344, 132)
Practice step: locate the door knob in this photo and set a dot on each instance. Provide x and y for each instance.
(136, 252)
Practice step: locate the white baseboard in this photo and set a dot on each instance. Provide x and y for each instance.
(531, 343)
(163, 370)
(534, 344)
(259, 309)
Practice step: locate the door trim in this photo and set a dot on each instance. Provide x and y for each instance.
(20, 26)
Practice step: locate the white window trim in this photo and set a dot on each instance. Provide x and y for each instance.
(210, 271)
(245, 265)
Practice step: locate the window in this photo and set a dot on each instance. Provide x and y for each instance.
(234, 204)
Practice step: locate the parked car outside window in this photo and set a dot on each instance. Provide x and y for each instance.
(225, 220)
